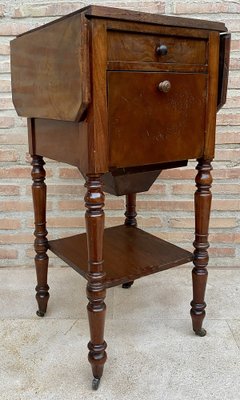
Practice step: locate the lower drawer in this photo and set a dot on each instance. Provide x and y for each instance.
(149, 126)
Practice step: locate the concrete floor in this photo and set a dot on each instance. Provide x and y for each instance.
(152, 352)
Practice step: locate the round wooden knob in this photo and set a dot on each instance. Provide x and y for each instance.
(164, 86)
(162, 50)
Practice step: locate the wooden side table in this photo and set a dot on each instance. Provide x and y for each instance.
(121, 95)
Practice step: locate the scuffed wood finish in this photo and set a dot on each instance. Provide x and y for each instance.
(97, 116)
(135, 47)
(224, 59)
(203, 199)
(45, 136)
(212, 93)
(96, 291)
(155, 66)
(100, 96)
(162, 122)
(41, 242)
(121, 14)
(50, 71)
(129, 254)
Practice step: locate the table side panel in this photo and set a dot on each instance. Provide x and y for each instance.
(60, 140)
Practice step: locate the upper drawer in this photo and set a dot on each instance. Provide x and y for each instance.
(137, 47)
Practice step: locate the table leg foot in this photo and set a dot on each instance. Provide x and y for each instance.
(95, 383)
(40, 313)
(127, 285)
(201, 332)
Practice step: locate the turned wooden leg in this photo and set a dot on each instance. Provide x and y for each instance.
(41, 242)
(199, 273)
(96, 292)
(130, 220)
(130, 213)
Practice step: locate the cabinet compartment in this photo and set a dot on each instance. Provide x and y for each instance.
(170, 126)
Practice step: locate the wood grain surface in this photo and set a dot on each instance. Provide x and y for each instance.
(50, 71)
(128, 252)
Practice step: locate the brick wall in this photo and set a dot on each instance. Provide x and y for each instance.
(167, 209)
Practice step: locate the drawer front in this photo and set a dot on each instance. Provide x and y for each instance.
(136, 47)
(148, 126)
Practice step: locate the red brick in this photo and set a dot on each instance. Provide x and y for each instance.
(178, 174)
(65, 222)
(157, 188)
(62, 190)
(19, 172)
(228, 119)
(71, 205)
(114, 203)
(69, 173)
(9, 223)
(222, 252)
(8, 155)
(21, 122)
(59, 190)
(214, 223)
(63, 8)
(226, 205)
(14, 29)
(4, 49)
(227, 154)
(6, 103)
(222, 237)
(6, 122)
(43, 10)
(9, 190)
(233, 101)
(226, 188)
(11, 138)
(8, 254)
(5, 85)
(4, 66)
(233, 24)
(14, 205)
(15, 172)
(178, 205)
(176, 237)
(233, 82)
(157, 7)
(19, 238)
(226, 173)
(223, 188)
(184, 188)
(149, 222)
(19, 206)
(228, 138)
(234, 63)
(206, 8)
(235, 45)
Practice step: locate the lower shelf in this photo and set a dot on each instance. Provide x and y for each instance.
(129, 253)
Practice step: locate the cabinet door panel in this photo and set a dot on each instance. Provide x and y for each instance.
(148, 126)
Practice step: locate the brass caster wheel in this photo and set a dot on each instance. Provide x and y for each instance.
(40, 313)
(201, 332)
(127, 285)
(95, 383)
